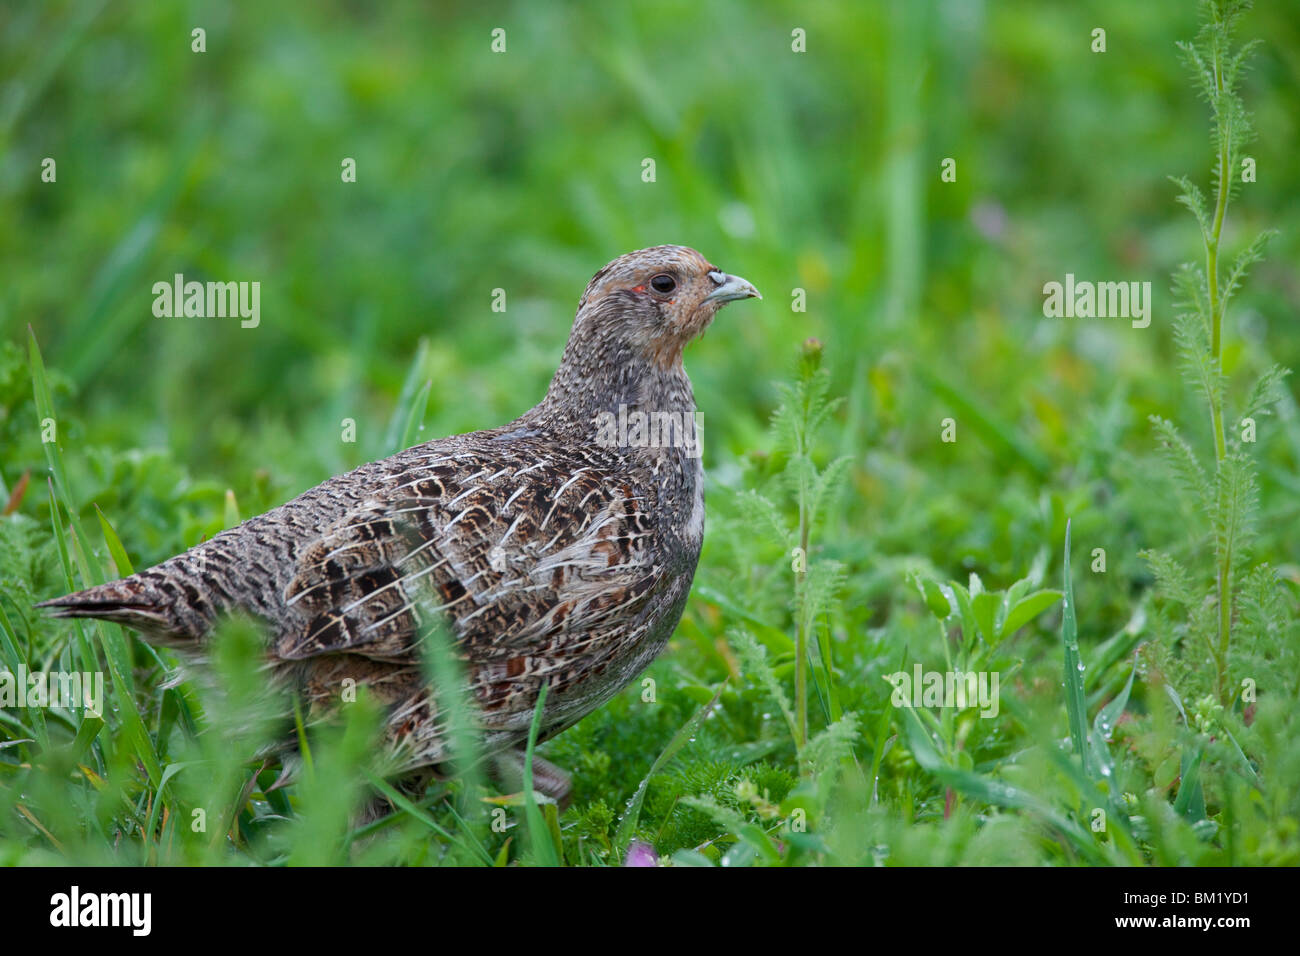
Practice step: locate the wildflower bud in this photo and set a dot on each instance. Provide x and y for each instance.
(810, 359)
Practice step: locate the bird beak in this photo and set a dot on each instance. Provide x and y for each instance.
(731, 288)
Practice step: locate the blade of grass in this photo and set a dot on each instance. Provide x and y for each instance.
(883, 744)
(1119, 829)
(834, 710)
(1104, 724)
(90, 727)
(115, 549)
(539, 836)
(1190, 802)
(1074, 705)
(415, 416)
(410, 385)
(156, 810)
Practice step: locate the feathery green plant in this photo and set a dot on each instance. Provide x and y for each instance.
(1227, 491)
(804, 409)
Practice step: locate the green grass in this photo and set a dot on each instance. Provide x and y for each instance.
(846, 540)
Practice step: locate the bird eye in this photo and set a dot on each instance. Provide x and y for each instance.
(663, 283)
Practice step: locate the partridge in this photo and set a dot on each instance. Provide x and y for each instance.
(556, 550)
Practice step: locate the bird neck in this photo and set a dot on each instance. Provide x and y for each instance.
(622, 401)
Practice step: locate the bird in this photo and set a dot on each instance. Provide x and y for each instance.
(554, 551)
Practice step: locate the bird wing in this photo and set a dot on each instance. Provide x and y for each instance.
(529, 557)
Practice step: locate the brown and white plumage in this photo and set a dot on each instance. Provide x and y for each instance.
(553, 558)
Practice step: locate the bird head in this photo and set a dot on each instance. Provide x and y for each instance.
(654, 301)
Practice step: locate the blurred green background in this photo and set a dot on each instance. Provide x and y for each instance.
(522, 171)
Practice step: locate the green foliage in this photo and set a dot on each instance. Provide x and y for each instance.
(1228, 497)
(805, 408)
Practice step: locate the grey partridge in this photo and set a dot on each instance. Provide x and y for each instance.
(557, 550)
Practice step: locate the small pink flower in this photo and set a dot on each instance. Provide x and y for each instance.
(641, 854)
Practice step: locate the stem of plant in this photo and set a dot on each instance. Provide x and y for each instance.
(1216, 396)
(801, 634)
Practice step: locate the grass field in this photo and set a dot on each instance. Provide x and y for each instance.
(910, 464)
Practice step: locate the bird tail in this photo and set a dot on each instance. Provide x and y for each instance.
(124, 602)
